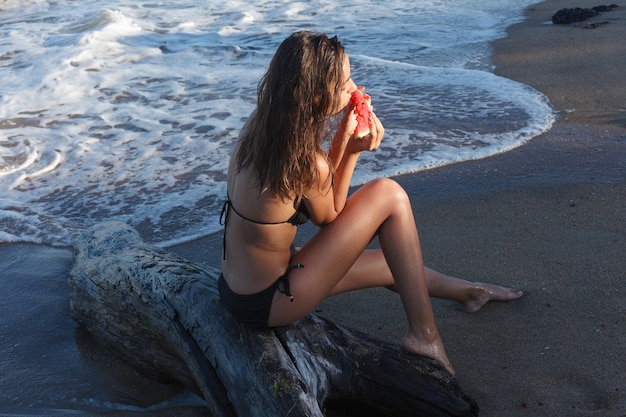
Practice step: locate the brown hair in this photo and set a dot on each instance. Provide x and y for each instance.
(295, 97)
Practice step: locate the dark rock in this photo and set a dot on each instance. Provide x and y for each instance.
(577, 14)
(604, 8)
(567, 16)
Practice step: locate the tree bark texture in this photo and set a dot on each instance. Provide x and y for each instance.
(162, 314)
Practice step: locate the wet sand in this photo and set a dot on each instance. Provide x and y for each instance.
(548, 217)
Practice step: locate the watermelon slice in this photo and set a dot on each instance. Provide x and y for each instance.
(362, 114)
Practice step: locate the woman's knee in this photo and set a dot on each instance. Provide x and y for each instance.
(391, 192)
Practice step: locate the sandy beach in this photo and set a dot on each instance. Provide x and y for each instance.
(548, 218)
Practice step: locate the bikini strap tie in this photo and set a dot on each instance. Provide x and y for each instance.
(284, 280)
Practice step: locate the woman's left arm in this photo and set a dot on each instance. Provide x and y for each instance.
(328, 200)
(345, 151)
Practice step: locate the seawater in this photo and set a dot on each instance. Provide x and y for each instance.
(128, 110)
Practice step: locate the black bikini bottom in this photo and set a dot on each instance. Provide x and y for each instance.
(253, 309)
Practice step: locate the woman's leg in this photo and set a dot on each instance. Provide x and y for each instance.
(472, 295)
(382, 206)
(371, 270)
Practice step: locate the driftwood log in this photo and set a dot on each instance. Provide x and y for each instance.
(162, 314)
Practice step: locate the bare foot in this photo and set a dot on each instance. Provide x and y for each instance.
(434, 350)
(481, 294)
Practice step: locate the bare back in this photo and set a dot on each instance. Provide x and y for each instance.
(256, 254)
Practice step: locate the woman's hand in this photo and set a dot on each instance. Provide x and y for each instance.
(370, 142)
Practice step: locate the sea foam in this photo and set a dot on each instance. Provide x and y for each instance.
(129, 110)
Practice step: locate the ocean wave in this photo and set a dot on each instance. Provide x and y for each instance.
(128, 111)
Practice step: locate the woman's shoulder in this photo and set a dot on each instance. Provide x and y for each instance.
(322, 163)
(324, 171)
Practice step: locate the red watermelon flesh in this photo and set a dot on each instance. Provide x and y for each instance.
(362, 114)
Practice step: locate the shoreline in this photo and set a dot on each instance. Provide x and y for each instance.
(580, 69)
(547, 217)
(569, 155)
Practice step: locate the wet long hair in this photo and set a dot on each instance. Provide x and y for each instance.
(295, 98)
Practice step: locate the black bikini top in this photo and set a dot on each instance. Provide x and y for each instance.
(301, 216)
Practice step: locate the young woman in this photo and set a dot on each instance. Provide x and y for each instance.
(280, 176)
